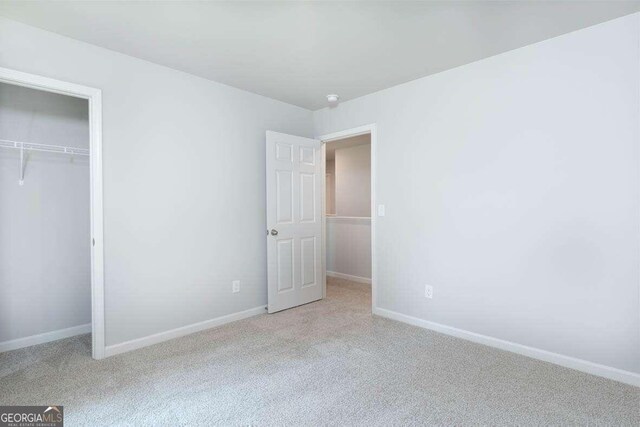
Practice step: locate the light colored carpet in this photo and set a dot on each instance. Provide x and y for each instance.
(326, 363)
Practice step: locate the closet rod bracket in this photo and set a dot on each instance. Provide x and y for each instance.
(27, 146)
(22, 166)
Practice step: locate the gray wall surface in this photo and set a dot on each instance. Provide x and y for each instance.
(184, 182)
(353, 181)
(349, 246)
(330, 187)
(45, 265)
(512, 187)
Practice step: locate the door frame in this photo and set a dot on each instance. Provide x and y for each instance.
(94, 98)
(347, 133)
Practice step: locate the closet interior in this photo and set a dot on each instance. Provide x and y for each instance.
(45, 253)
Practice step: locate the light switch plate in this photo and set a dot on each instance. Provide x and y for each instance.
(380, 210)
(235, 286)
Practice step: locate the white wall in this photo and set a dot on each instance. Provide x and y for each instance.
(349, 246)
(184, 193)
(353, 181)
(512, 186)
(330, 187)
(45, 266)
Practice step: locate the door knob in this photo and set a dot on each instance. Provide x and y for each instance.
(274, 232)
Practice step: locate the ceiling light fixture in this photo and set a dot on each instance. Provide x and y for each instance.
(333, 98)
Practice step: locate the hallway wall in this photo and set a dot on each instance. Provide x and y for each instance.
(348, 233)
(353, 181)
(349, 247)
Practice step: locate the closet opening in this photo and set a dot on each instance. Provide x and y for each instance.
(50, 215)
(347, 219)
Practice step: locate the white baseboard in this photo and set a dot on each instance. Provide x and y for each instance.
(137, 343)
(535, 353)
(45, 337)
(349, 277)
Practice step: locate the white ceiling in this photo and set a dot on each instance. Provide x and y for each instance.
(300, 52)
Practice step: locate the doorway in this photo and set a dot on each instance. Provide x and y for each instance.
(297, 222)
(349, 206)
(33, 159)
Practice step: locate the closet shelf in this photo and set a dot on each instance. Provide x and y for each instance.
(5, 143)
(28, 146)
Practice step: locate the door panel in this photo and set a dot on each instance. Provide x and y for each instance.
(285, 261)
(308, 264)
(307, 197)
(294, 238)
(284, 196)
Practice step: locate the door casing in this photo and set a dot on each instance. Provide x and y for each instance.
(94, 98)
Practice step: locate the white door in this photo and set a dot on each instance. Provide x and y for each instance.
(294, 221)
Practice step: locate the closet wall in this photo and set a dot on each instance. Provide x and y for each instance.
(45, 282)
(349, 230)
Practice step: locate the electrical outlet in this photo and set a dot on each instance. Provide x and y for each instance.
(235, 286)
(428, 291)
(380, 210)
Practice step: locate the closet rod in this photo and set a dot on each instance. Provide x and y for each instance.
(28, 146)
(6, 143)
